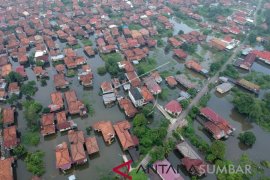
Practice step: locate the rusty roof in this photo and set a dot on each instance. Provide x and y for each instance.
(8, 115)
(62, 156)
(75, 137)
(6, 169)
(106, 129)
(91, 145)
(122, 130)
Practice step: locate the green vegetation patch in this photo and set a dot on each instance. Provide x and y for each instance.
(87, 42)
(31, 138)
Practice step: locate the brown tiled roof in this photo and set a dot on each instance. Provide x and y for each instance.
(8, 115)
(6, 69)
(146, 94)
(106, 129)
(59, 80)
(63, 160)
(6, 170)
(128, 107)
(13, 87)
(75, 137)
(10, 137)
(121, 128)
(47, 124)
(57, 99)
(74, 105)
(91, 145)
(77, 153)
(62, 122)
(171, 81)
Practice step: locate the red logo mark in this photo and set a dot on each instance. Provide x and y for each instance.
(126, 164)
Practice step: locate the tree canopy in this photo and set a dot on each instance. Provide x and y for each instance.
(248, 138)
(29, 89)
(34, 163)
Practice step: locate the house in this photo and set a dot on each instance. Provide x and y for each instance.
(59, 81)
(91, 145)
(224, 87)
(6, 168)
(80, 60)
(74, 105)
(195, 167)
(174, 42)
(47, 124)
(10, 137)
(136, 97)
(86, 79)
(62, 123)
(22, 58)
(192, 64)
(21, 71)
(70, 62)
(128, 107)
(39, 72)
(215, 124)
(5, 70)
(170, 172)
(116, 83)
(249, 85)
(106, 128)
(171, 81)
(109, 99)
(122, 130)
(88, 50)
(78, 154)
(133, 78)
(248, 61)
(75, 137)
(146, 94)
(60, 68)
(182, 79)
(106, 87)
(3, 95)
(13, 88)
(86, 68)
(156, 76)
(62, 156)
(174, 108)
(8, 116)
(180, 53)
(152, 85)
(218, 44)
(57, 101)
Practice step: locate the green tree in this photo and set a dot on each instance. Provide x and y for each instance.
(148, 110)
(217, 149)
(31, 113)
(30, 138)
(12, 99)
(248, 138)
(34, 163)
(29, 89)
(252, 38)
(157, 154)
(19, 151)
(139, 120)
(14, 77)
(184, 103)
(140, 175)
(101, 71)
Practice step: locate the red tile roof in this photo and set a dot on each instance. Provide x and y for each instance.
(8, 115)
(91, 145)
(128, 107)
(77, 153)
(6, 169)
(106, 128)
(173, 106)
(75, 137)
(62, 123)
(10, 137)
(122, 130)
(63, 160)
